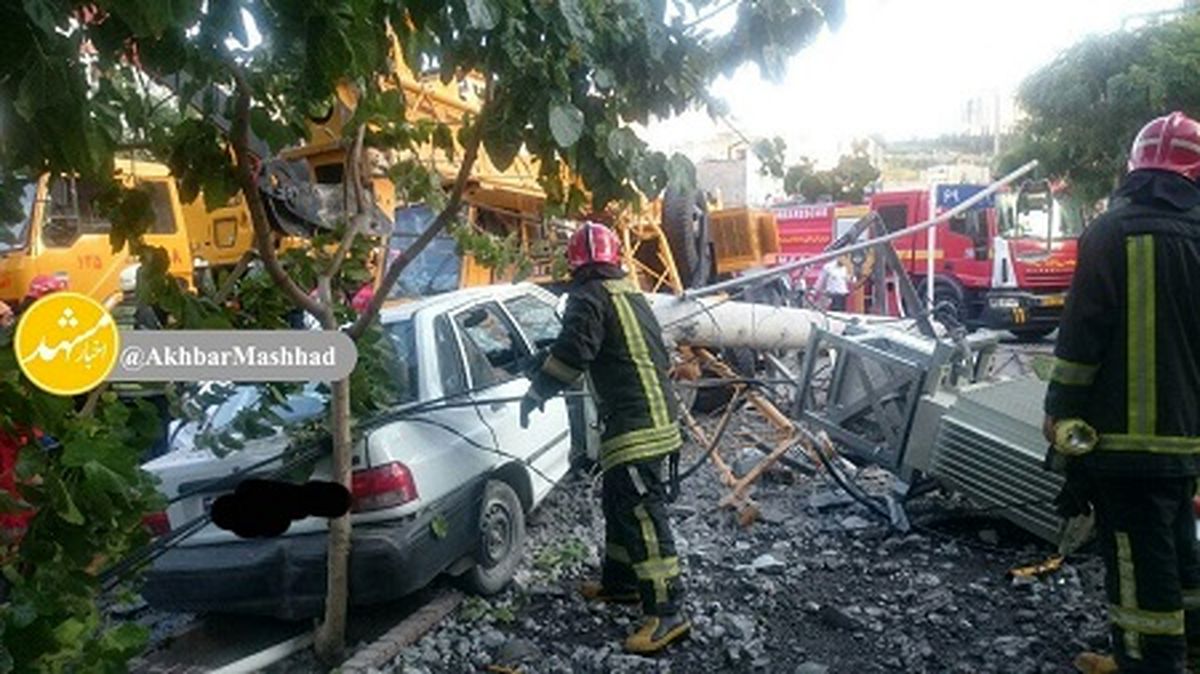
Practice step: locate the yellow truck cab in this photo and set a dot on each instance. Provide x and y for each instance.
(220, 237)
(62, 235)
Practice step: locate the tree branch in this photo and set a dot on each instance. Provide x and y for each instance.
(354, 176)
(470, 154)
(240, 138)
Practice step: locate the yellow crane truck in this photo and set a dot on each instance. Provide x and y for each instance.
(669, 245)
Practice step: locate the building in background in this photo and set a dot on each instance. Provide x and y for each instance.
(729, 171)
(986, 113)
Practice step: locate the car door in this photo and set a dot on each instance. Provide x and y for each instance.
(539, 324)
(494, 354)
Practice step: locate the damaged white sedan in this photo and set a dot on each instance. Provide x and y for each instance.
(443, 486)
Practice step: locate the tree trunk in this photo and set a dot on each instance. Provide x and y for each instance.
(330, 639)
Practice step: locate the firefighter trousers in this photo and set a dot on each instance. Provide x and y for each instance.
(639, 550)
(1147, 535)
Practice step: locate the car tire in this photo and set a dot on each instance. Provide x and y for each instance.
(501, 539)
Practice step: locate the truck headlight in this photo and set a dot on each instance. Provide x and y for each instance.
(1004, 303)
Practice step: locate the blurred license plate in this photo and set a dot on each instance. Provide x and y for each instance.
(1054, 301)
(207, 502)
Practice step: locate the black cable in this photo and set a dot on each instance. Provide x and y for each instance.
(220, 482)
(879, 509)
(450, 429)
(704, 456)
(118, 572)
(855, 491)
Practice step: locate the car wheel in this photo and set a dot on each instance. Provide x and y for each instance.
(501, 540)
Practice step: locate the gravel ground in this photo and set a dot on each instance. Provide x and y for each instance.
(816, 585)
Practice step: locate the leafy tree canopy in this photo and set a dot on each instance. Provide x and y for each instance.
(848, 181)
(1086, 106)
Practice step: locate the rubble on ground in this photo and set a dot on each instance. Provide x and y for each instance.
(818, 584)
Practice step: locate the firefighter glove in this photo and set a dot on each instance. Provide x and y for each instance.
(528, 404)
(1074, 437)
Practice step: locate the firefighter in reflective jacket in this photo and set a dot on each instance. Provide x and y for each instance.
(610, 332)
(1124, 400)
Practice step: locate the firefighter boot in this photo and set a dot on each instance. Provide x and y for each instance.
(1094, 663)
(657, 632)
(593, 590)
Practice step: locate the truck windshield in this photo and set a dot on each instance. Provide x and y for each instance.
(1040, 217)
(14, 232)
(436, 269)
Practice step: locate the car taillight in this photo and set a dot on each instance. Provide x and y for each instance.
(157, 523)
(384, 486)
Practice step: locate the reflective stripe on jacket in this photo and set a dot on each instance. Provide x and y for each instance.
(610, 331)
(1127, 359)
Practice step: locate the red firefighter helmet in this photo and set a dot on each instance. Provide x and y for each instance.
(593, 243)
(1170, 143)
(44, 284)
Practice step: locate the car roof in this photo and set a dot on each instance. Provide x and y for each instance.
(451, 300)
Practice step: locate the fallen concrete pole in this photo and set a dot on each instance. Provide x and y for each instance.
(718, 323)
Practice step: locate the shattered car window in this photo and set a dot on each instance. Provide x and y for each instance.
(401, 361)
(492, 351)
(537, 319)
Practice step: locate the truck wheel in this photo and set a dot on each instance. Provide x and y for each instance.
(948, 295)
(500, 542)
(685, 224)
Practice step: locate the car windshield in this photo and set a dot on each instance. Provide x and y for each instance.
(436, 269)
(14, 231)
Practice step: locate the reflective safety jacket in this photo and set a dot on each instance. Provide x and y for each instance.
(610, 332)
(1127, 359)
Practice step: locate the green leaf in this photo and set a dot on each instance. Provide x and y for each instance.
(66, 507)
(604, 79)
(70, 631)
(650, 175)
(23, 614)
(42, 14)
(623, 144)
(10, 504)
(127, 637)
(483, 14)
(566, 124)
(502, 143)
(443, 139)
(577, 23)
(439, 526)
(681, 174)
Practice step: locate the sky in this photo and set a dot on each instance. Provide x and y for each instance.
(904, 68)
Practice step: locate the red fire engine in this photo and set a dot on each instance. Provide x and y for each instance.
(1006, 264)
